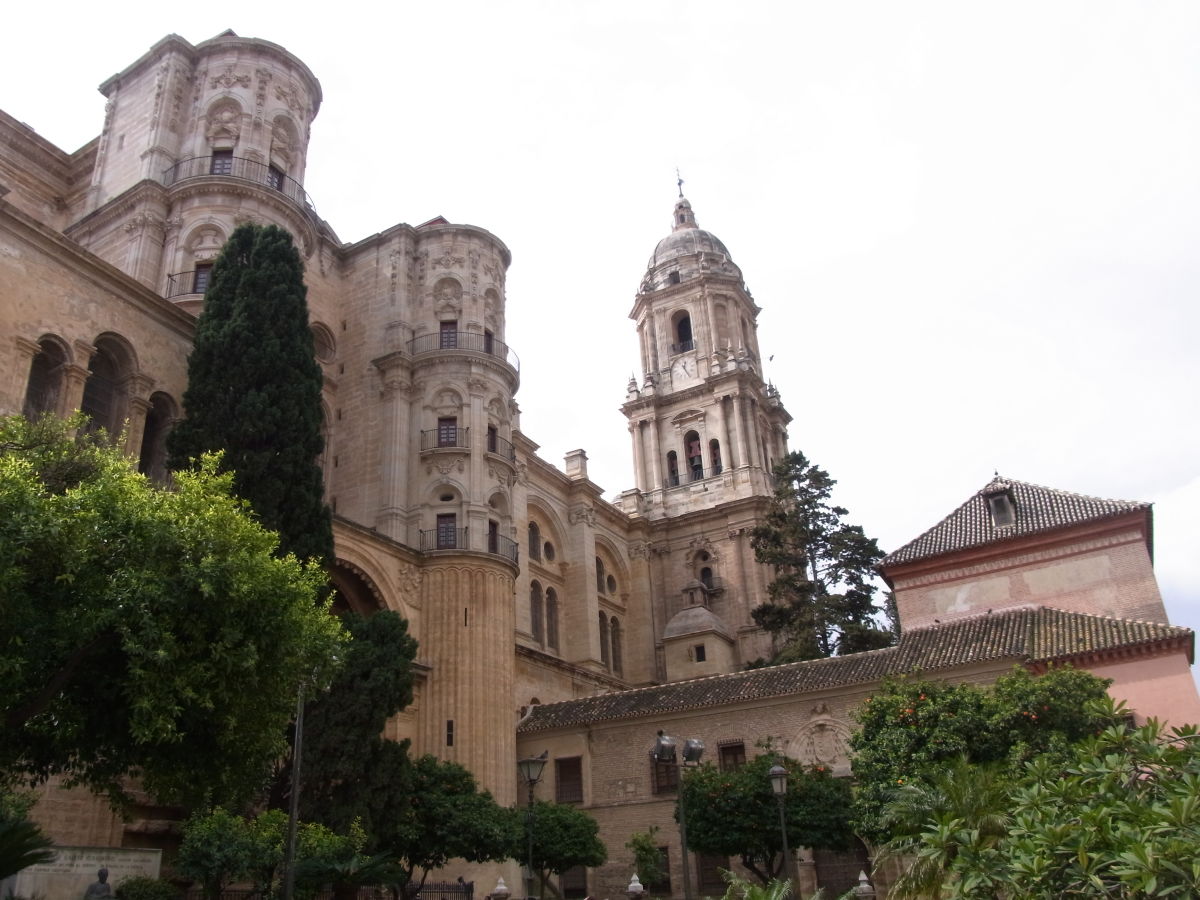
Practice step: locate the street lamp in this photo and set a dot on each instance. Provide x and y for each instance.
(779, 778)
(531, 770)
(665, 752)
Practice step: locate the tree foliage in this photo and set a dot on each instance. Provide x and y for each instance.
(350, 771)
(563, 837)
(146, 631)
(736, 813)
(912, 729)
(219, 848)
(438, 814)
(1117, 816)
(823, 592)
(254, 389)
(648, 860)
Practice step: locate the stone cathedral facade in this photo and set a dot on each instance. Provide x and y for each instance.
(529, 594)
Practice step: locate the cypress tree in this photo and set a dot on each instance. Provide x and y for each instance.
(254, 389)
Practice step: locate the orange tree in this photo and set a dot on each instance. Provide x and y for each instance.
(913, 729)
(735, 813)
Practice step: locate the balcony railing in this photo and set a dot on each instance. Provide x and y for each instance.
(444, 539)
(500, 545)
(182, 283)
(242, 169)
(464, 340)
(682, 347)
(501, 447)
(456, 539)
(693, 474)
(442, 438)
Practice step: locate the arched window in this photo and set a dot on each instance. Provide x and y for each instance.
(44, 391)
(535, 541)
(152, 460)
(695, 458)
(599, 575)
(672, 469)
(714, 455)
(614, 633)
(535, 612)
(552, 619)
(103, 400)
(683, 334)
(604, 648)
(706, 577)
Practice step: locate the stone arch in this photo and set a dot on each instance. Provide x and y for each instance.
(47, 373)
(161, 416)
(498, 503)
(203, 243)
(356, 590)
(616, 573)
(497, 410)
(106, 391)
(681, 331)
(550, 528)
(223, 123)
(446, 399)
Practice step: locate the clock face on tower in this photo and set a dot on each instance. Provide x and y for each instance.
(684, 367)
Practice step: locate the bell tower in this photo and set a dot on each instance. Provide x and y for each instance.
(702, 412)
(706, 431)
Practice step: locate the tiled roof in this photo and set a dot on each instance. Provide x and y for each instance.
(1037, 509)
(1029, 635)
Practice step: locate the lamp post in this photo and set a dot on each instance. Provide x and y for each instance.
(779, 779)
(531, 770)
(665, 752)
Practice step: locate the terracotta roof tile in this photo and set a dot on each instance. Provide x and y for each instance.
(1030, 635)
(1036, 509)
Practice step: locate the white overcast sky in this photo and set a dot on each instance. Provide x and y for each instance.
(972, 227)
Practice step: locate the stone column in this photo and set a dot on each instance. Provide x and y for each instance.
(137, 393)
(639, 472)
(656, 456)
(739, 424)
(395, 447)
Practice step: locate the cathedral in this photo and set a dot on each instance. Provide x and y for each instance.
(548, 619)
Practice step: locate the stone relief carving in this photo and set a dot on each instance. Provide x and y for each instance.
(260, 94)
(229, 80)
(823, 740)
(224, 123)
(445, 261)
(583, 514)
(290, 95)
(446, 467)
(408, 578)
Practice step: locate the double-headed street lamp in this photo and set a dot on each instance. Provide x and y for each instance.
(665, 752)
(531, 770)
(779, 778)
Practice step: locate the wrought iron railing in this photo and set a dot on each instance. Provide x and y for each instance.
(436, 438)
(464, 340)
(501, 447)
(182, 283)
(444, 539)
(689, 475)
(500, 545)
(242, 169)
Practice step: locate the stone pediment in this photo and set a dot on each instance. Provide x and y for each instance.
(688, 415)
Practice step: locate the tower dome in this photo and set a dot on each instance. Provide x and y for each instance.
(686, 252)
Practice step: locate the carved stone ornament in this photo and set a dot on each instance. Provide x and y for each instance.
(583, 514)
(289, 95)
(141, 221)
(446, 467)
(735, 533)
(639, 550)
(823, 740)
(229, 79)
(445, 261)
(408, 578)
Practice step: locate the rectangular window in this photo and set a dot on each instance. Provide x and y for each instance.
(568, 780)
(201, 277)
(448, 432)
(274, 178)
(488, 342)
(664, 776)
(447, 531)
(448, 335)
(221, 163)
(710, 866)
(699, 653)
(492, 438)
(731, 755)
(449, 732)
(663, 885)
(574, 883)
